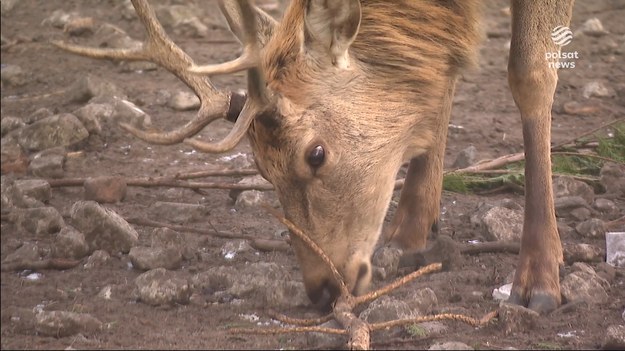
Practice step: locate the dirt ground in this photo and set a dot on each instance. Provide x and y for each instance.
(483, 107)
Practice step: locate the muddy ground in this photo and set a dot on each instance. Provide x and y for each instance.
(483, 108)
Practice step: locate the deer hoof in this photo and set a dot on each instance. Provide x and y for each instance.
(541, 302)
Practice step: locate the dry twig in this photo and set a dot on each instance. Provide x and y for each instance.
(357, 329)
(257, 243)
(51, 263)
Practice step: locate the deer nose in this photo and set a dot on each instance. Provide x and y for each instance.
(323, 292)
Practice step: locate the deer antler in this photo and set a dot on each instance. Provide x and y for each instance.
(244, 21)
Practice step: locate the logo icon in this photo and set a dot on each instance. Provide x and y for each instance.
(561, 35)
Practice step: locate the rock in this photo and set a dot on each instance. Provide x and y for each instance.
(564, 205)
(615, 248)
(256, 180)
(139, 67)
(387, 258)
(386, 308)
(564, 229)
(605, 206)
(64, 323)
(499, 224)
(59, 130)
(184, 101)
(103, 228)
(13, 75)
(13, 158)
(268, 284)
(192, 27)
(242, 160)
(38, 115)
(162, 287)
(70, 243)
(324, 340)
(98, 258)
(569, 186)
(91, 87)
(129, 113)
(614, 338)
(183, 20)
(421, 301)
(443, 250)
(596, 89)
(40, 221)
(515, 318)
(178, 212)
(580, 214)
(465, 158)
(59, 18)
(9, 124)
(168, 238)
(582, 253)
(15, 196)
(606, 271)
(249, 199)
(592, 228)
(7, 6)
(231, 248)
(108, 189)
(433, 327)
(93, 115)
(450, 345)
(593, 27)
(21, 320)
(37, 189)
(27, 252)
(613, 178)
(106, 292)
(47, 164)
(111, 36)
(582, 267)
(147, 258)
(584, 286)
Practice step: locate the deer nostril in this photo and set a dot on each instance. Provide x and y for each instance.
(363, 271)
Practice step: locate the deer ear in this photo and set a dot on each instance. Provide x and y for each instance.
(330, 28)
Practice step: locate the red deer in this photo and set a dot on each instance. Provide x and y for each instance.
(342, 93)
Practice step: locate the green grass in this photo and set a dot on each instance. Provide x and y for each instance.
(548, 346)
(416, 331)
(583, 166)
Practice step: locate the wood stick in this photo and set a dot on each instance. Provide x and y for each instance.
(438, 317)
(260, 244)
(434, 267)
(52, 263)
(216, 173)
(312, 245)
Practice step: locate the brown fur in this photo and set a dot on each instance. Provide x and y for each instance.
(371, 118)
(377, 97)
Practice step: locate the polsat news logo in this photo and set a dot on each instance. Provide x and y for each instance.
(561, 36)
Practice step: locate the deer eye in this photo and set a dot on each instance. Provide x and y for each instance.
(316, 156)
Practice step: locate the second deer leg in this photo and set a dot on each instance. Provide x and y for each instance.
(419, 204)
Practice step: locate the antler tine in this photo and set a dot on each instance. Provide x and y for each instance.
(257, 99)
(160, 49)
(263, 28)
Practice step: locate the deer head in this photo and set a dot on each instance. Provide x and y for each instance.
(330, 115)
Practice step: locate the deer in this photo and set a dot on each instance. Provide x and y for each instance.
(342, 93)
